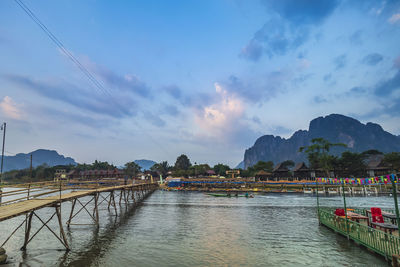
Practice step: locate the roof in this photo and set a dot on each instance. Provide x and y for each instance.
(280, 168)
(301, 167)
(262, 173)
(375, 162)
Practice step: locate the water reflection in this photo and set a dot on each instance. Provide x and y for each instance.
(194, 229)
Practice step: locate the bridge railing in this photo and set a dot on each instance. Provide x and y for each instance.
(376, 240)
(26, 191)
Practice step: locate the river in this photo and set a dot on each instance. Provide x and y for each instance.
(194, 229)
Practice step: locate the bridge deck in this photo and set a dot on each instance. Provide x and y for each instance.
(25, 206)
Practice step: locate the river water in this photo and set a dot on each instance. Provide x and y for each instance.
(195, 229)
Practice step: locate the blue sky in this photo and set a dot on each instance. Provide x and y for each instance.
(204, 78)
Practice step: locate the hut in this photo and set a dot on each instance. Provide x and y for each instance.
(263, 176)
(280, 171)
(376, 167)
(301, 172)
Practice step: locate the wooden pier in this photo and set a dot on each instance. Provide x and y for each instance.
(24, 202)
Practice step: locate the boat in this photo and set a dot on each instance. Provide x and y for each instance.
(308, 191)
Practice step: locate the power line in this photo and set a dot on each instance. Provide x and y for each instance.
(85, 71)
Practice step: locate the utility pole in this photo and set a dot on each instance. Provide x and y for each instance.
(3, 127)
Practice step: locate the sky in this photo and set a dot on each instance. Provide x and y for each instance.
(204, 78)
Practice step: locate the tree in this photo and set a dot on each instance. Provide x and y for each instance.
(352, 164)
(182, 163)
(317, 154)
(200, 169)
(267, 166)
(393, 160)
(132, 169)
(220, 169)
(372, 152)
(161, 168)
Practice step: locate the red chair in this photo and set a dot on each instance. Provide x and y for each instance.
(376, 214)
(339, 212)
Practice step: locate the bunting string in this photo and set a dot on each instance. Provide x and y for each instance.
(384, 179)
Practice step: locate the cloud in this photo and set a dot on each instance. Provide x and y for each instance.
(10, 109)
(289, 28)
(154, 119)
(171, 110)
(258, 91)
(127, 82)
(320, 99)
(356, 38)
(396, 63)
(117, 105)
(173, 91)
(327, 77)
(216, 119)
(386, 88)
(394, 18)
(252, 51)
(340, 61)
(303, 12)
(372, 59)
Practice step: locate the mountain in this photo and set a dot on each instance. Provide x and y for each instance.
(39, 157)
(145, 164)
(335, 128)
(240, 165)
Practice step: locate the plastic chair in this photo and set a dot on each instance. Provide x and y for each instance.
(376, 214)
(339, 212)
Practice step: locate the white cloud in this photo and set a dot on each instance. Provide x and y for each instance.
(9, 108)
(217, 119)
(395, 18)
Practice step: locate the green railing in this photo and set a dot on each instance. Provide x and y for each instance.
(376, 240)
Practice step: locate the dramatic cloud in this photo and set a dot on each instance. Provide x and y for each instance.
(218, 118)
(372, 59)
(98, 102)
(10, 109)
(395, 18)
(289, 29)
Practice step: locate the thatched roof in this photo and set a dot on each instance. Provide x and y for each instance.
(280, 168)
(263, 173)
(301, 167)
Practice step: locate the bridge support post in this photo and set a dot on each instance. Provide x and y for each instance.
(27, 230)
(62, 234)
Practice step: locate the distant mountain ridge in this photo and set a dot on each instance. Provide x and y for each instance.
(335, 128)
(39, 157)
(145, 164)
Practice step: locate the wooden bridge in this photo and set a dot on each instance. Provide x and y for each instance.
(28, 200)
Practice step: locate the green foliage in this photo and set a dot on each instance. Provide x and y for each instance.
(267, 166)
(317, 154)
(351, 164)
(392, 160)
(200, 169)
(161, 168)
(132, 169)
(220, 169)
(182, 163)
(96, 165)
(372, 152)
